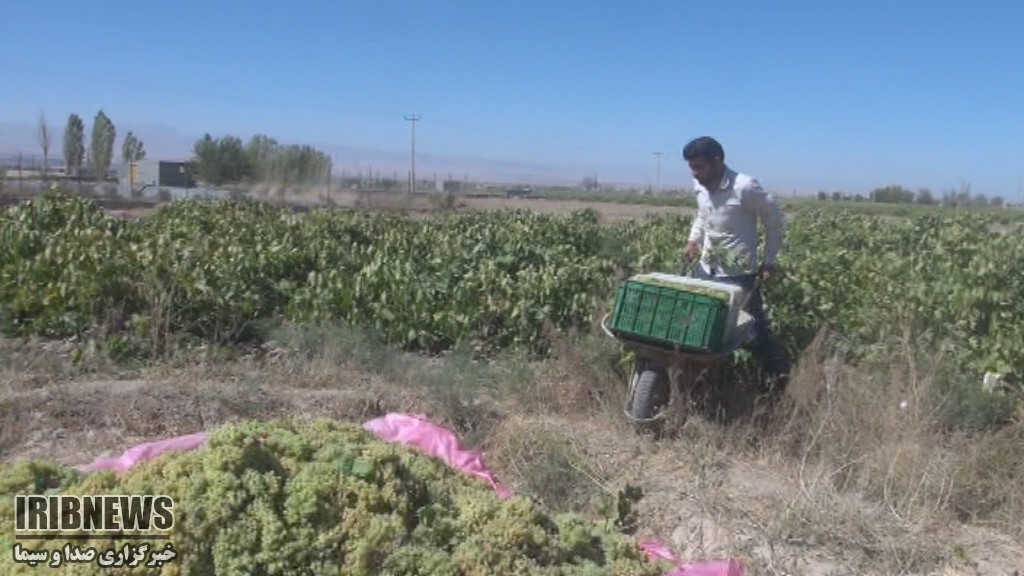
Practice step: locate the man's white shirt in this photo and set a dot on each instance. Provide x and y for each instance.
(727, 219)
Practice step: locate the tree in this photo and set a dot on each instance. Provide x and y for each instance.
(299, 165)
(958, 198)
(892, 194)
(101, 145)
(221, 161)
(261, 151)
(74, 145)
(44, 142)
(225, 160)
(206, 164)
(132, 149)
(273, 163)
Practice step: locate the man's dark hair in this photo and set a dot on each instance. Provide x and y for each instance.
(705, 146)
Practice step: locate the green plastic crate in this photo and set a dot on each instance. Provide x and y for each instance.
(669, 317)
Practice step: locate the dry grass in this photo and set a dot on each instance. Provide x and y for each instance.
(583, 377)
(546, 459)
(13, 428)
(882, 435)
(876, 475)
(839, 478)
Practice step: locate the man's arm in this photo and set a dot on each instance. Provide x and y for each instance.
(762, 203)
(693, 243)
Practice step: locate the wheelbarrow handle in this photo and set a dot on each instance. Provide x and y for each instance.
(684, 264)
(686, 261)
(604, 325)
(750, 293)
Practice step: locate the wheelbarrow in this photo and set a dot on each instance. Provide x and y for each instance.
(658, 368)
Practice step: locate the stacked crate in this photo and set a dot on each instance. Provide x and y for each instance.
(676, 311)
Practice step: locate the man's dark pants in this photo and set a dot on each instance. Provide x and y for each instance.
(771, 356)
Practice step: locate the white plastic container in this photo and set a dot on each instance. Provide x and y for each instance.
(736, 295)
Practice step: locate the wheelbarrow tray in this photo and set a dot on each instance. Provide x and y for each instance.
(685, 362)
(667, 354)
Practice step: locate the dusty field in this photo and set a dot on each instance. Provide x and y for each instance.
(553, 431)
(608, 211)
(425, 205)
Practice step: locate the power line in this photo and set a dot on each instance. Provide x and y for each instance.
(658, 155)
(412, 177)
(206, 95)
(170, 89)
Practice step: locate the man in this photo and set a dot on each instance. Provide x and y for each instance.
(724, 233)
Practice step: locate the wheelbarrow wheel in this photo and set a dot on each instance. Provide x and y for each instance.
(650, 396)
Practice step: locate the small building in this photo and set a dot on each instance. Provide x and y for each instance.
(450, 186)
(519, 192)
(138, 176)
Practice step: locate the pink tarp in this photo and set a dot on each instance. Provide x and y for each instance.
(437, 441)
(434, 440)
(147, 451)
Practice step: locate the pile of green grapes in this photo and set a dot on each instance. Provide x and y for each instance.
(322, 497)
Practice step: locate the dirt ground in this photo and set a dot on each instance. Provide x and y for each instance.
(422, 206)
(426, 205)
(607, 210)
(700, 498)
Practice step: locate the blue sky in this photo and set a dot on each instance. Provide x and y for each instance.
(805, 95)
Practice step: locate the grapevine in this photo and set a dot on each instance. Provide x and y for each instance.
(212, 269)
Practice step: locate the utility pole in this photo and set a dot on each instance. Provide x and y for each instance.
(658, 155)
(412, 176)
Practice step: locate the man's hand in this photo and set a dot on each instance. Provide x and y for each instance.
(767, 272)
(689, 255)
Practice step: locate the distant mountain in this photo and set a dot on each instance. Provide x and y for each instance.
(165, 143)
